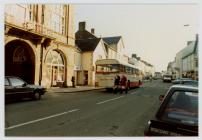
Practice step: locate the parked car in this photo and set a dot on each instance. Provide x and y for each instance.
(16, 88)
(185, 81)
(177, 114)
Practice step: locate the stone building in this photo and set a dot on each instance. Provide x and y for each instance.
(40, 43)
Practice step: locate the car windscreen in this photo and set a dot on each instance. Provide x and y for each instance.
(182, 108)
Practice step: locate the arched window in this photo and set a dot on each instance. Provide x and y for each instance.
(20, 55)
(55, 65)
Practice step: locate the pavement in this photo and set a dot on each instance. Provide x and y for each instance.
(71, 89)
(77, 88)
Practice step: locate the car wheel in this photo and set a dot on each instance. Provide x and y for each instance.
(37, 96)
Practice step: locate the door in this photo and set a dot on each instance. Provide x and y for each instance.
(86, 78)
(54, 76)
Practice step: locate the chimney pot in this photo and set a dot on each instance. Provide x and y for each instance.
(82, 26)
(92, 31)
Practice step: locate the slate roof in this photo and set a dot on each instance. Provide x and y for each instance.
(112, 40)
(84, 35)
(88, 44)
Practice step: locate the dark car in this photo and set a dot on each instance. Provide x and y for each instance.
(185, 81)
(177, 114)
(16, 88)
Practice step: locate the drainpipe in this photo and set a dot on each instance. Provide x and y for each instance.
(41, 65)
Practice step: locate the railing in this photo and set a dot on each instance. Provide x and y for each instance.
(31, 26)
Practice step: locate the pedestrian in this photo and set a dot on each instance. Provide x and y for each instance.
(123, 84)
(128, 86)
(73, 81)
(116, 83)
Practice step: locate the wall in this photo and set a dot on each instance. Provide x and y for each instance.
(86, 60)
(112, 54)
(99, 51)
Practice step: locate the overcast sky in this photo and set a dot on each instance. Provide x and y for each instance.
(155, 32)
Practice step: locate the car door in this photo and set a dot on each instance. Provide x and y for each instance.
(8, 88)
(19, 88)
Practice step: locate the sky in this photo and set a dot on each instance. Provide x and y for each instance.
(155, 32)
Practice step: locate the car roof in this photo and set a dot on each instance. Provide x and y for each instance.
(184, 87)
(9, 76)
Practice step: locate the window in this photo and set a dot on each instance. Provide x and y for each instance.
(6, 82)
(182, 108)
(16, 81)
(108, 68)
(196, 62)
(20, 55)
(18, 11)
(55, 61)
(57, 18)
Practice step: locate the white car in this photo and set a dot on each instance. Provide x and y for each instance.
(167, 78)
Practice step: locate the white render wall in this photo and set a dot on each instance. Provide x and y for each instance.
(99, 53)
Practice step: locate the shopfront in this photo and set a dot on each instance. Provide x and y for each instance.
(55, 68)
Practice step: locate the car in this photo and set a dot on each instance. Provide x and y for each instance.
(16, 88)
(167, 78)
(185, 81)
(177, 114)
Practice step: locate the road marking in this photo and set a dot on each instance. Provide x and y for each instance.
(41, 119)
(110, 100)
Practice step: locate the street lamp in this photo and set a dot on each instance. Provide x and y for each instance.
(186, 24)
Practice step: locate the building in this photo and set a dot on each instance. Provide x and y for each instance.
(147, 68)
(40, 43)
(190, 60)
(171, 69)
(115, 47)
(92, 49)
(178, 64)
(186, 60)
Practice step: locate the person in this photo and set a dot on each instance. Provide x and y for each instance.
(116, 83)
(128, 86)
(73, 81)
(123, 84)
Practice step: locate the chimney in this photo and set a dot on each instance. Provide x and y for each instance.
(82, 26)
(134, 55)
(189, 42)
(92, 31)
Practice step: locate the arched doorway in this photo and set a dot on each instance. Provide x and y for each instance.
(55, 68)
(20, 61)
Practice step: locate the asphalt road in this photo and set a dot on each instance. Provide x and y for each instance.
(90, 113)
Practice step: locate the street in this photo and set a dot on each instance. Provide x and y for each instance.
(89, 113)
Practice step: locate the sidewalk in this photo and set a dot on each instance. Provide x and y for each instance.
(71, 89)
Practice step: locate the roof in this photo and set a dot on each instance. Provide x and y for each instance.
(189, 49)
(112, 40)
(87, 44)
(189, 87)
(84, 35)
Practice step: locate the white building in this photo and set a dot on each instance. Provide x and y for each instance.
(115, 47)
(186, 60)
